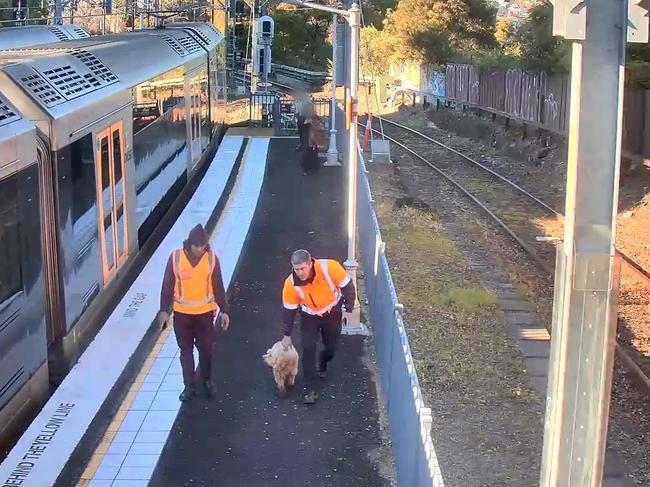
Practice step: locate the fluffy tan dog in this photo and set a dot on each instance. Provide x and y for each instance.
(284, 364)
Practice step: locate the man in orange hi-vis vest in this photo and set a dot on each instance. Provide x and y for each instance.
(193, 288)
(318, 288)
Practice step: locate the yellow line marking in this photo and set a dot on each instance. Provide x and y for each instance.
(114, 426)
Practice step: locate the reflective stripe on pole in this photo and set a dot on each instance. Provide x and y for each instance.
(348, 112)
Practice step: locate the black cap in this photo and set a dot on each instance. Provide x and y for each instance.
(198, 236)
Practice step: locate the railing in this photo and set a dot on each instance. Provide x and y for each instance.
(96, 20)
(277, 111)
(409, 419)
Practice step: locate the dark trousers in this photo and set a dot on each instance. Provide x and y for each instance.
(301, 131)
(309, 160)
(199, 330)
(329, 329)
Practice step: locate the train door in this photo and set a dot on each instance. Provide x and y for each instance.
(110, 170)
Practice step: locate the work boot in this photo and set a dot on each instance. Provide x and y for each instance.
(209, 389)
(187, 394)
(311, 396)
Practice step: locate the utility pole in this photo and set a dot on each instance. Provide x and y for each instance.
(586, 282)
(332, 151)
(254, 76)
(58, 12)
(354, 19)
(104, 17)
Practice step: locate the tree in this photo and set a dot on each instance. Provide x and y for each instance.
(376, 48)
(301, 38)
(506, 36)
(374, 12)
(431, 31)
(540, 49)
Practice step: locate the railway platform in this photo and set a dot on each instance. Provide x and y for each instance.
(116, 420)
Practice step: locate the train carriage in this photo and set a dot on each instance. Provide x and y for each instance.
(34, 35)
(23, 347)
(117, 126)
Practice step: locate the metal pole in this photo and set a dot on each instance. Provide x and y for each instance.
(332, 152)
(58, 12)
(584, 316)
(254, 56)
(354, 17)
(157, 20)
(266, 74)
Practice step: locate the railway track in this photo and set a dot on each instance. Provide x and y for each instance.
(520, 214)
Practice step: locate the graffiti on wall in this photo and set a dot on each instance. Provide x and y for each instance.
(433, 82)
(437, 84)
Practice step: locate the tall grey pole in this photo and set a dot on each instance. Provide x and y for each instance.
(586, 287)
(354, 325)
(332, 151)
(353, 156)
(58, 12)
(254, 54)
(104, 17)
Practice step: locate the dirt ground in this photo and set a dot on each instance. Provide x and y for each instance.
(487, 419)
(545, 177)
(538, 165)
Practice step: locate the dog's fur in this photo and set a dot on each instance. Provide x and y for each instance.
(284, 364)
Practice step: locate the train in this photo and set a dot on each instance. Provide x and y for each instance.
(100, 137)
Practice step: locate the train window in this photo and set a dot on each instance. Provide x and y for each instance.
(160, 149)
(84, 192)
(119, 191)
(205, 108)
(157, 98)
(11, 280)
(107, 199)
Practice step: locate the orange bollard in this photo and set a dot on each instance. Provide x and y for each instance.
(366, 135)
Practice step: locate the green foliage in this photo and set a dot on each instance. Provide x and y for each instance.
(638, 53)
(507, 39)
(301, 38)
(471, 299)
(638, 74)
(375, 45)
(492, 59)
(431, 31)
(374, 12)
(7, 13)
(638, 65)
(539, 48)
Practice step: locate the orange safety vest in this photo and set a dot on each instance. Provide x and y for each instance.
(322, 294)
(193, 292)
